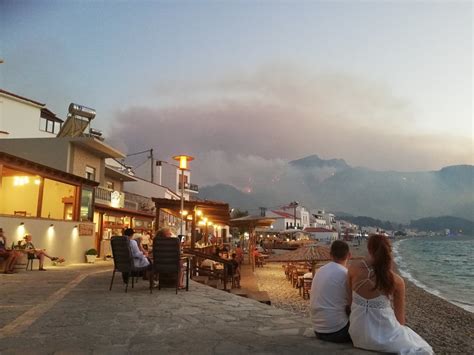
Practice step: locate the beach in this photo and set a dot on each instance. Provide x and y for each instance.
(449, 329)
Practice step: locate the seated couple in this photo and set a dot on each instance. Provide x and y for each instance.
(140, 256)
(356, 304)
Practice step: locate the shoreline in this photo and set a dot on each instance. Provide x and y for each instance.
(447, 327)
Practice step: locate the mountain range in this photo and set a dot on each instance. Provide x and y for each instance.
(336, 186)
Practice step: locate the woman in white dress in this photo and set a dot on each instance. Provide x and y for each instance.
(374, 323)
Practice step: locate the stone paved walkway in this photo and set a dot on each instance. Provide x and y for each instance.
(69, 310)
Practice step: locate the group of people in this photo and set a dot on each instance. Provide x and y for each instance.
(141, 252)
(23, 246)
(363, 302)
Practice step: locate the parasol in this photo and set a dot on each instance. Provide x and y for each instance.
(311, 253)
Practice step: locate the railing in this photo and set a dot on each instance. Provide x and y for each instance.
(104, 194)
(189, 187)
(131, 205)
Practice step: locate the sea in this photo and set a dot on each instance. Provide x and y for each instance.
(443, 266)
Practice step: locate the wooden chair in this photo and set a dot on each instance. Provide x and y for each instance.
(123, 261)
(166, 257)
(307, 288)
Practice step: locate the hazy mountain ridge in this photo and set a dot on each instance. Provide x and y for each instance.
(385, 195)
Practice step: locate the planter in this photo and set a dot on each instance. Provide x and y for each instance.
(91, 258)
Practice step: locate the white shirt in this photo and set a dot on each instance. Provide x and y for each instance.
(139, 260)
(329, 298)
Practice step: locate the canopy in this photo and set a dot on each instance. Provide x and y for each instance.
(312, 253)
(252, 222)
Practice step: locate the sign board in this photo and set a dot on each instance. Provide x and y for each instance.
(86, 229)
(117, 199)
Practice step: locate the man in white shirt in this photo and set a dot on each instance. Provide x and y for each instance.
(329, 301)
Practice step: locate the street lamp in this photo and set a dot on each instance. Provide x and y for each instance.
(183, 165)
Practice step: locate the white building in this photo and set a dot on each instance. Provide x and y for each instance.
(21, 117)
(322, 219)
(322, 234)
(167, 175)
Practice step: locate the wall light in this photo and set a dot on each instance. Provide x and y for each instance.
(51, 225)
(22, 223)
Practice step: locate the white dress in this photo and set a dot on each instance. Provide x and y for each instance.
(373, 326)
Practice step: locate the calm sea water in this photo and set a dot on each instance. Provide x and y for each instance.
(443, 266)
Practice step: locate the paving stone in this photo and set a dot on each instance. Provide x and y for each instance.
(90, 319)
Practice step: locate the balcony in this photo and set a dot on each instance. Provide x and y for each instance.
(113, 198)
(189, 187)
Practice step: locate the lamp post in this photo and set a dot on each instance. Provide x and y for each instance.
(183, 165)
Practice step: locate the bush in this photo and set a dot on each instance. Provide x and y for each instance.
(91, 252)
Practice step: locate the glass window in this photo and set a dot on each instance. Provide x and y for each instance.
(58, 200)
(19, 193)
(43, 123)
(87, 200)
(49, 126)
(90, 173)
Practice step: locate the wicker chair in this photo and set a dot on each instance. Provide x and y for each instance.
(166, 261)
(123, 261)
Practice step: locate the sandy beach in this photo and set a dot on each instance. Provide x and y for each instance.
(449, 329)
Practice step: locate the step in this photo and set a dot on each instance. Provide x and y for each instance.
(201, 279)
(260, 296)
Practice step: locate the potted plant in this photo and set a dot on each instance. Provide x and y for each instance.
(91, 255)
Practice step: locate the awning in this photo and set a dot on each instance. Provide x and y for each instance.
(216, 212)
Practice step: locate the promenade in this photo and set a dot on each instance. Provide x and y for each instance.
(69, 310)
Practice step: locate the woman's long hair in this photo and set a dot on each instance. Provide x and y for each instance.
(381, 251)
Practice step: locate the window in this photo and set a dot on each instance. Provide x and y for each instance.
(87, 200)
(90, 173)
(58, 200)
(19, 192)
(46, 125)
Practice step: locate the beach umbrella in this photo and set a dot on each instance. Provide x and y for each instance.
(310, 253)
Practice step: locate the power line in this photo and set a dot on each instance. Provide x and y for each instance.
(145, 151)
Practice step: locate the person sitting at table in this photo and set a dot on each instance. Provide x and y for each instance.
(139, 259)
(239, 254)
(166, 233)
(257, 257)
(39, 254)
(10, 256)
(234, 271)
(309, 274)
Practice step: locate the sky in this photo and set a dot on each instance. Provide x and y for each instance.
(385, 85)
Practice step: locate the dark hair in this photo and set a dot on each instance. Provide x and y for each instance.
(339, 250)
(128, 232)
(233, 255)
(381, 251)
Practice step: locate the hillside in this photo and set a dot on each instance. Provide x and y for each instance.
(386, 195)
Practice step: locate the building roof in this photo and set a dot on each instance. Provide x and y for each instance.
(36, 168)
(22, 98)
(50, 115)
(100, 148)
(117, 174)
(317, 230)
(284, 214)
